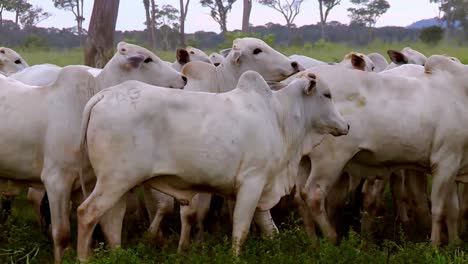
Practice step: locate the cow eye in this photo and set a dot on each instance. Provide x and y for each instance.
(147, 60)
(18, 61)
(192, 52)
(373, 67)
(327, 95)
(257, 51)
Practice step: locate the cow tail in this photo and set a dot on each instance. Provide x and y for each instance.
(84, 128)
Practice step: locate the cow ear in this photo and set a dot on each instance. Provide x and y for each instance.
(310, 88)
(225, 52)
(135, 61)
(397, 57)
(183, 56)
(358, 62)
(236, 54)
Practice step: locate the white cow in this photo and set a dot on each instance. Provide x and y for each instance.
(216, 58)
(406, 56)
(183, 56)
(246, 54)
(379, 61)
(382, 110)
(307, 62)
(181, 146)
(40, 140)
(10, 61)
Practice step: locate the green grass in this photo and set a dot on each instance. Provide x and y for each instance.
(330, 52)
(21, 241)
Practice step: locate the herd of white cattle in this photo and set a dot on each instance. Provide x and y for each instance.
(251, 124)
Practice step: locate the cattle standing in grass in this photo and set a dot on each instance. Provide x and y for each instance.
(245, 143)
(40, 140)
(398, 122)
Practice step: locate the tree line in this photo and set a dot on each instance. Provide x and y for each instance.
(165, 25)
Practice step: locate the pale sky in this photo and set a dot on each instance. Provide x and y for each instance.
(132, 14)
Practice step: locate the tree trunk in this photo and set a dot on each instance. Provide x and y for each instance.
(289, 33)
(322, 19)
(17, 18)
(246, 15)
(100, 42)
(183, 16)
(146, 3)
(153, 25)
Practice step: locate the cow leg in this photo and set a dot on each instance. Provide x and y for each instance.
(247, 198)
(204, 202)
(58, 184)
(164, 206)
(336, 199)
(304, 213)
(188, 215)
(397, 187)
(416, 189)
(34, 197)
(443, 180)
(302, 176)
(452, 216)
(111, 223)
(104, 196)
(464, 207)
(323, 176)
(264, 220)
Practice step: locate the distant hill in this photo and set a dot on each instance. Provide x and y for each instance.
(425, 23)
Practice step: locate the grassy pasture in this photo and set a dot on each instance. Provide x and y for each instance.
(22, 241)
(330, 52)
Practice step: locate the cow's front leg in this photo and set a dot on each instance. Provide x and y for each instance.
(58, 184)
(247, 199)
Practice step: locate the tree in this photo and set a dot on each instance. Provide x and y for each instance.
(167, 20)
(153, 23)
(431, 35)
(329, 5)
(219, 10)
(183, 16)
(367, 12)
(289, 10)
(149, 26)
(453, 11)
(4, 5)
(247, 9)
(100, 41)
(19, 7)
(76, 7)
(33, 16)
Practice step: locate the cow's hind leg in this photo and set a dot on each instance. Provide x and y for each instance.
(104, 196)
(111, 223)
(264, 220)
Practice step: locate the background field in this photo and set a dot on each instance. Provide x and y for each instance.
(22, 241)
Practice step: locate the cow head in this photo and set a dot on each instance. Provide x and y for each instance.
(216, 59)
(358, 61)
(319, 108)
(10, 61)
(132, 62)
(406, 56)
(254, 54)
(445, 63)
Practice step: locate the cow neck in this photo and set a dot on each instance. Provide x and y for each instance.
(227, 77)
(291, 117)
(108, 78)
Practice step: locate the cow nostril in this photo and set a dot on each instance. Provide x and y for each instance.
(185, 79)
(348, 126)
(294, 65)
